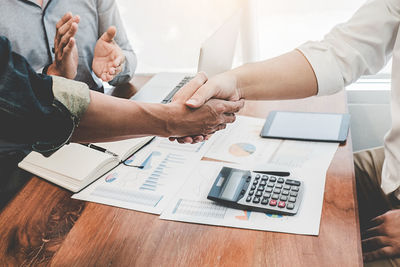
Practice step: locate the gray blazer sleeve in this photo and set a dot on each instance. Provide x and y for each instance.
(108, 15)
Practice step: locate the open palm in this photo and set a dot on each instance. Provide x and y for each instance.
(108, 56)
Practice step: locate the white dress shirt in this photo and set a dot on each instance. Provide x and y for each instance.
(362, 46)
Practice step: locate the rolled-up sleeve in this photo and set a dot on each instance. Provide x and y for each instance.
(361, 46)
(37, 111)
(109, 15)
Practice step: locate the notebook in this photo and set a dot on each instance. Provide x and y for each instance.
(74, 166)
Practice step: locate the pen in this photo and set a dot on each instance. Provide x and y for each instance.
(101, 149)
(277, 173)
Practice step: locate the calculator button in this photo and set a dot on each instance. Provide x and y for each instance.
(248, 199)
(278, 186)
(267, 195)
(263, 183)
(290, 206)
(281, 204)
(256, 200)
(272, 202)
(242, 192)
(271, 184)
(260, 188)
(283, 198)
(248, 179)
(292, 182)
(251, 192)
(281, 180)
(255, 182)
(253, 187)
(286, 187)
(264, 177)
(258, 194)
(292, 199)
(258, 176)
(293, 194)
(285, 192)
(295, 188)
(272, 178)
(264, 201)
(269, 189)
(275, 196)
(277, 191)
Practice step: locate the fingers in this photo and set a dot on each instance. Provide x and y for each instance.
(67, 16)
(69, 47)
(106, 77)
(188, 90)
(63, 26)
(229, 118)
(381, 253)
(109, 35)
(66, 38)
(201, 96)
(375, 222)
(232, 106)
(374, 243)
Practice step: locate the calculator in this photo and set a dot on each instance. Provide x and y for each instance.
(257, 191)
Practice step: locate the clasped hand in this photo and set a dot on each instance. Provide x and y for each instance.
(204, 114)
(220, 90)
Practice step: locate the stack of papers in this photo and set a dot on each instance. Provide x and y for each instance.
(175, 182)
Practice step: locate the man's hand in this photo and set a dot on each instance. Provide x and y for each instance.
(65, 51)
(205, 120)
(222, 86)
(382, 238)
(108, 56)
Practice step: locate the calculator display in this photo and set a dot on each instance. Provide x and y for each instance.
(231, 186)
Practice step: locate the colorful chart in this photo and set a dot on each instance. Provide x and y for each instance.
(111, 177)
(274, 215)
(130, 160)
(160, 173)
(242, 149)
(147, 162)
(244, 217)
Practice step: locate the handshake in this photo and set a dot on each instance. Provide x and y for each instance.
(209, 104)
(198, 110)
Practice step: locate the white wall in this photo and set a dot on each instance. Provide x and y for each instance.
(167, 34)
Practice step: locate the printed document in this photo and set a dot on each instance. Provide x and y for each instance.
(306, 161)
(165, 164)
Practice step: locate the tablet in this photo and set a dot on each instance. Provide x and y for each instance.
(327, 127)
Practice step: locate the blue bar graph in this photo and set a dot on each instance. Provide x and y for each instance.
(159, 175)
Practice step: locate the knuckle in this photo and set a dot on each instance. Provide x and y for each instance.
(203, 76)
(219, 108)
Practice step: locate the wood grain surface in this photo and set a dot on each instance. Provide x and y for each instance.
(43, 226)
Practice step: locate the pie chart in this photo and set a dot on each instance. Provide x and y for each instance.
(242, 149)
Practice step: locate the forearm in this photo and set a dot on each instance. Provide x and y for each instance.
(109, 118)
(288, 76)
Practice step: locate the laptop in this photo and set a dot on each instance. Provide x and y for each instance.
(216, 56)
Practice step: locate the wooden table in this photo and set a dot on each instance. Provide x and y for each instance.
(42, 225)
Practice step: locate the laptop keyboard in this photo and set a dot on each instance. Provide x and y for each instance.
(171, 94)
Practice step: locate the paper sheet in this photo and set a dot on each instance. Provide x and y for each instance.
(240, 142)
(166, 166)
(307, 161)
